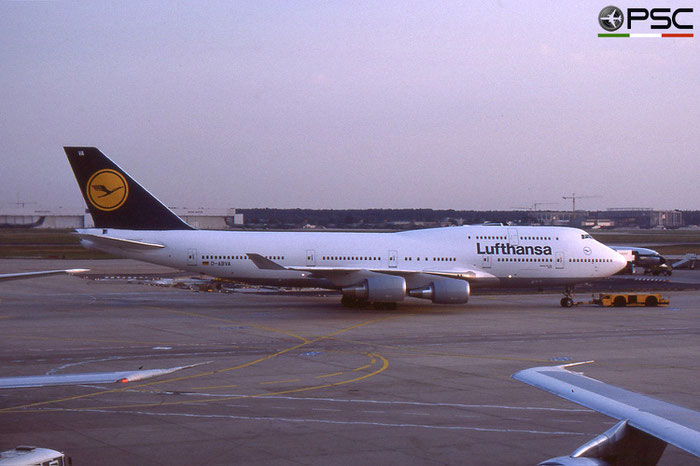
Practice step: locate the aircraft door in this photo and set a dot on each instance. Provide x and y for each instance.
(310, 258)
(486, 261)
(513, 237)
(393, 259)
(191, 257)
(559, 260)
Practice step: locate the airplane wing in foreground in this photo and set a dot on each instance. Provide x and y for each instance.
(86, 378)
(42, 273)
(646, 424)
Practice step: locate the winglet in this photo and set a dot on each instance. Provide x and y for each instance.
(135, 376)
(264, 263)
(580, 363)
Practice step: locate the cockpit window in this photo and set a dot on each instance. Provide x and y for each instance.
(586, 236)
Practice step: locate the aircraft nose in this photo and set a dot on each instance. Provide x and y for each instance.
(619, 260)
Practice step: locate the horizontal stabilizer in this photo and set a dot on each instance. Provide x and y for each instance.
(122, 243)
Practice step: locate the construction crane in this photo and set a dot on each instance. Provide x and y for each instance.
(573, 198)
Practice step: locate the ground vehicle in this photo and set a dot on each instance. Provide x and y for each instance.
(630, 299)
(26, 455)
(660, 269)
(651, 261)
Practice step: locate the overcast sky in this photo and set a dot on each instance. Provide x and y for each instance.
(464, 105)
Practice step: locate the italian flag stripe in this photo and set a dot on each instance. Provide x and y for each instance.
(646, 35)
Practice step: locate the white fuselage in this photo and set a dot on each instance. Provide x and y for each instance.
(483, 255)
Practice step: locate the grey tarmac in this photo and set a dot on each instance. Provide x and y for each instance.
(302, 380)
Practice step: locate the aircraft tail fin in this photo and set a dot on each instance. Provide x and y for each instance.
(114, 199)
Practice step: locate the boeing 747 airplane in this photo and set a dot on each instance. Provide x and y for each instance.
(439, 264)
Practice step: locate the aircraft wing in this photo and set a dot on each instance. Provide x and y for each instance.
(41, 273)
(665, 421)
(331, 272)
(86, 378)
(264, 263)
(687, 262)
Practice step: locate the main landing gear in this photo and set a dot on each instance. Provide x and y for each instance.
(568, 299)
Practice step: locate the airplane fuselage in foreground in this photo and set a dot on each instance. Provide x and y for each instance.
(440, 264)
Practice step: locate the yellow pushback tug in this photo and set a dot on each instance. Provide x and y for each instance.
(630, 299)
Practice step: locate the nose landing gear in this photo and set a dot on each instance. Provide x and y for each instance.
(568, 299)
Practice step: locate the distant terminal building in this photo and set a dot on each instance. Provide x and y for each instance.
(642, 218)
(209, 219)
(611, 218)
(667, 218)
(66, 218)
(223, 219)
(550, 217)
(27, 217)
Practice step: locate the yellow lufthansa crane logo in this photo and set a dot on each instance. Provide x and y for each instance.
(107, 189)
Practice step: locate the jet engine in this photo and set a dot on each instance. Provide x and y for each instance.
(444, 291)
(569, 461)
(622, 444)
(379, 289)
